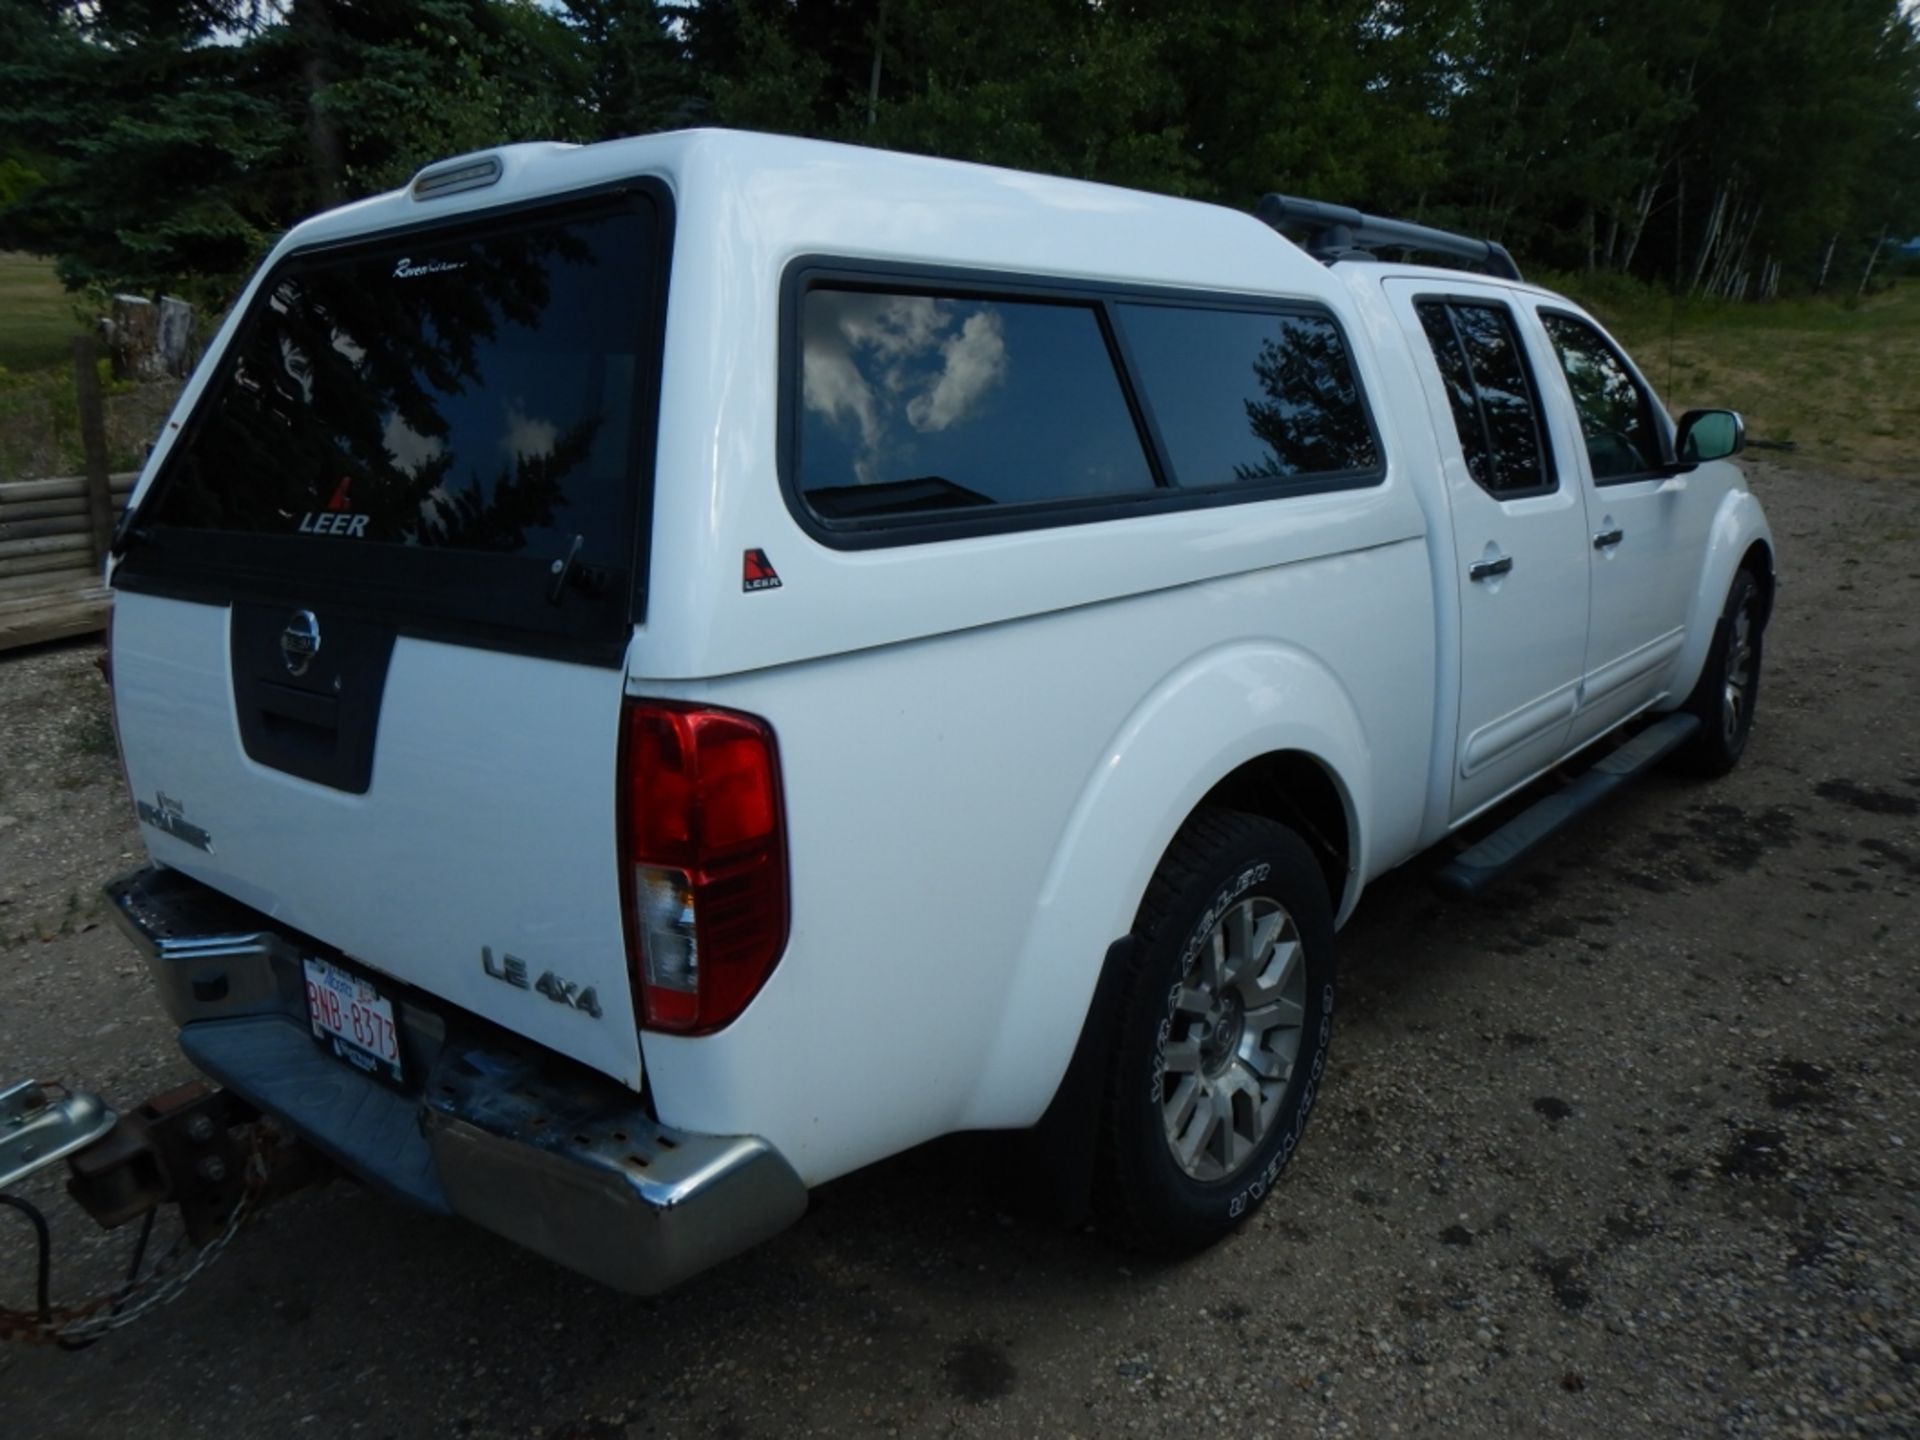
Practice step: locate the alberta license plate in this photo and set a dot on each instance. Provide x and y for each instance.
(353, 1019)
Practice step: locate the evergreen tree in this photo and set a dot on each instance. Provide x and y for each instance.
(630, 66)
(150, 149)
(1719, 146)
(174, 142)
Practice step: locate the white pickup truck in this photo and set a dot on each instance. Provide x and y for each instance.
(654, 675)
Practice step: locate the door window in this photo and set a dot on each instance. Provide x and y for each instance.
(1496, 408)
(1624, 440)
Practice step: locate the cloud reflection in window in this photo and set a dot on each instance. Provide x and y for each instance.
(893, 366)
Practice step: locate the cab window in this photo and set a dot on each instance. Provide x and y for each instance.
(1617, 415)
(1496, 410)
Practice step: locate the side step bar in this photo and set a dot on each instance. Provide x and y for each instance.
(1477, 868)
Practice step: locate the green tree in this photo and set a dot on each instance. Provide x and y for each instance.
(1801, 110)
(1717, 145)
(630, 66)
(1056, 85)
(180, 139)
(1060, 87)
(1338, 101)
(150, 143)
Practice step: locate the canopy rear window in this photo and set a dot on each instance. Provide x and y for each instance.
(466, 392)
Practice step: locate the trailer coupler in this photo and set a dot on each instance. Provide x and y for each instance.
(195, 1147)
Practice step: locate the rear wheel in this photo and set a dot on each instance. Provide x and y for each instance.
(1728, 688)
(1223, 1032)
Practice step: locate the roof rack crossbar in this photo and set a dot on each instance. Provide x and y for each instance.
(1339, 232)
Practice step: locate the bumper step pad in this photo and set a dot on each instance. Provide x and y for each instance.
(351, 1118)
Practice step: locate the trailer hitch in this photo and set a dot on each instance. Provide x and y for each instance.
(196, 1147)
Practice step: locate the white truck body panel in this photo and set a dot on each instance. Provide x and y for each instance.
(958, 966)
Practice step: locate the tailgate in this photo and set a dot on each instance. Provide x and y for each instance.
(487, 828)
(374, 606)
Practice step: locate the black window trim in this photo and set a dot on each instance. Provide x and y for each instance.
(1542, 431)
(214, 567)
(1657, 412)
(805, 272)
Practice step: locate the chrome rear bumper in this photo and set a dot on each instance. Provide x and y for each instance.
(551, 1155)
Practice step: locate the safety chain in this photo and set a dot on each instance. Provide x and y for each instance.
(73, 1326)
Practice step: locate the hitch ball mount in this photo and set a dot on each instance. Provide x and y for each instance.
(187, 1146)
(38, 1128)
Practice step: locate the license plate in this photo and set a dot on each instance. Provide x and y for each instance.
(352, 1019)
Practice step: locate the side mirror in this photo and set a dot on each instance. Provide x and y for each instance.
(1709, 435)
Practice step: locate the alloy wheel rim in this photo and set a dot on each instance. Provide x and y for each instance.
(1737, 693)
(1233, 1038)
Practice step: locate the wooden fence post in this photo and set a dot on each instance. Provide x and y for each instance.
(93, 438)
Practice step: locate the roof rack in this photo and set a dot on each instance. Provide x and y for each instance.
(1339, 232)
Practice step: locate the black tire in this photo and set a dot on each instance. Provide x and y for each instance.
(1729, 685)
(1224, 870)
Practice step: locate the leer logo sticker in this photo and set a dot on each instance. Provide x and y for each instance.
(337, 518)
(757, 573)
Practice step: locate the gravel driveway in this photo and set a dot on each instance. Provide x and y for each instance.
(1627, 1149)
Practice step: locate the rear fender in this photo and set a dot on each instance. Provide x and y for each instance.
(1738, 525)
(1217, 712)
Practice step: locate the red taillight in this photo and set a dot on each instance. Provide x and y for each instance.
(704, 859)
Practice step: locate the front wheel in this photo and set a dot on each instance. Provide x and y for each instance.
(1725, 696)
(1223, 1032)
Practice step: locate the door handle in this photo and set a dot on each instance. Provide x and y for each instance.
(1607, 539)
(1487, 569)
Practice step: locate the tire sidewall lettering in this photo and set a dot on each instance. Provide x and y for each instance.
(1252, 1193)
(1219, 860)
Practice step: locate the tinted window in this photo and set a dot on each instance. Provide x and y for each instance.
(472, 393)
(1457, 376)
(1616, 415)
(926, 403)
(1241, 395)
(1491, 392)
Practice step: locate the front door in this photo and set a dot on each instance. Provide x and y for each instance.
(1520, 542)
(1649, 524)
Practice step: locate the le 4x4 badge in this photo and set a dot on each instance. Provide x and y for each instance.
(757, 572)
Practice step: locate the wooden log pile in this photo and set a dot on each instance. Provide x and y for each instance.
(46, 532)
(49, 580)
(54, 533)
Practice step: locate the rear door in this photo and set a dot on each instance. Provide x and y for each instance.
(1519, 532)
(373, 612)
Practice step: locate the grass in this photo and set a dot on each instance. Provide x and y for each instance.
(40, 421)
(39, 416)
(37, 323)
(1841, 381)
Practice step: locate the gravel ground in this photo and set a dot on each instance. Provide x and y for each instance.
(1628, 1148)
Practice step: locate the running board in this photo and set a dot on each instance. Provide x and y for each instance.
(1477, 868)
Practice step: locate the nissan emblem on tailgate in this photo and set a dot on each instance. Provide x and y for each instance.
(300, 641)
